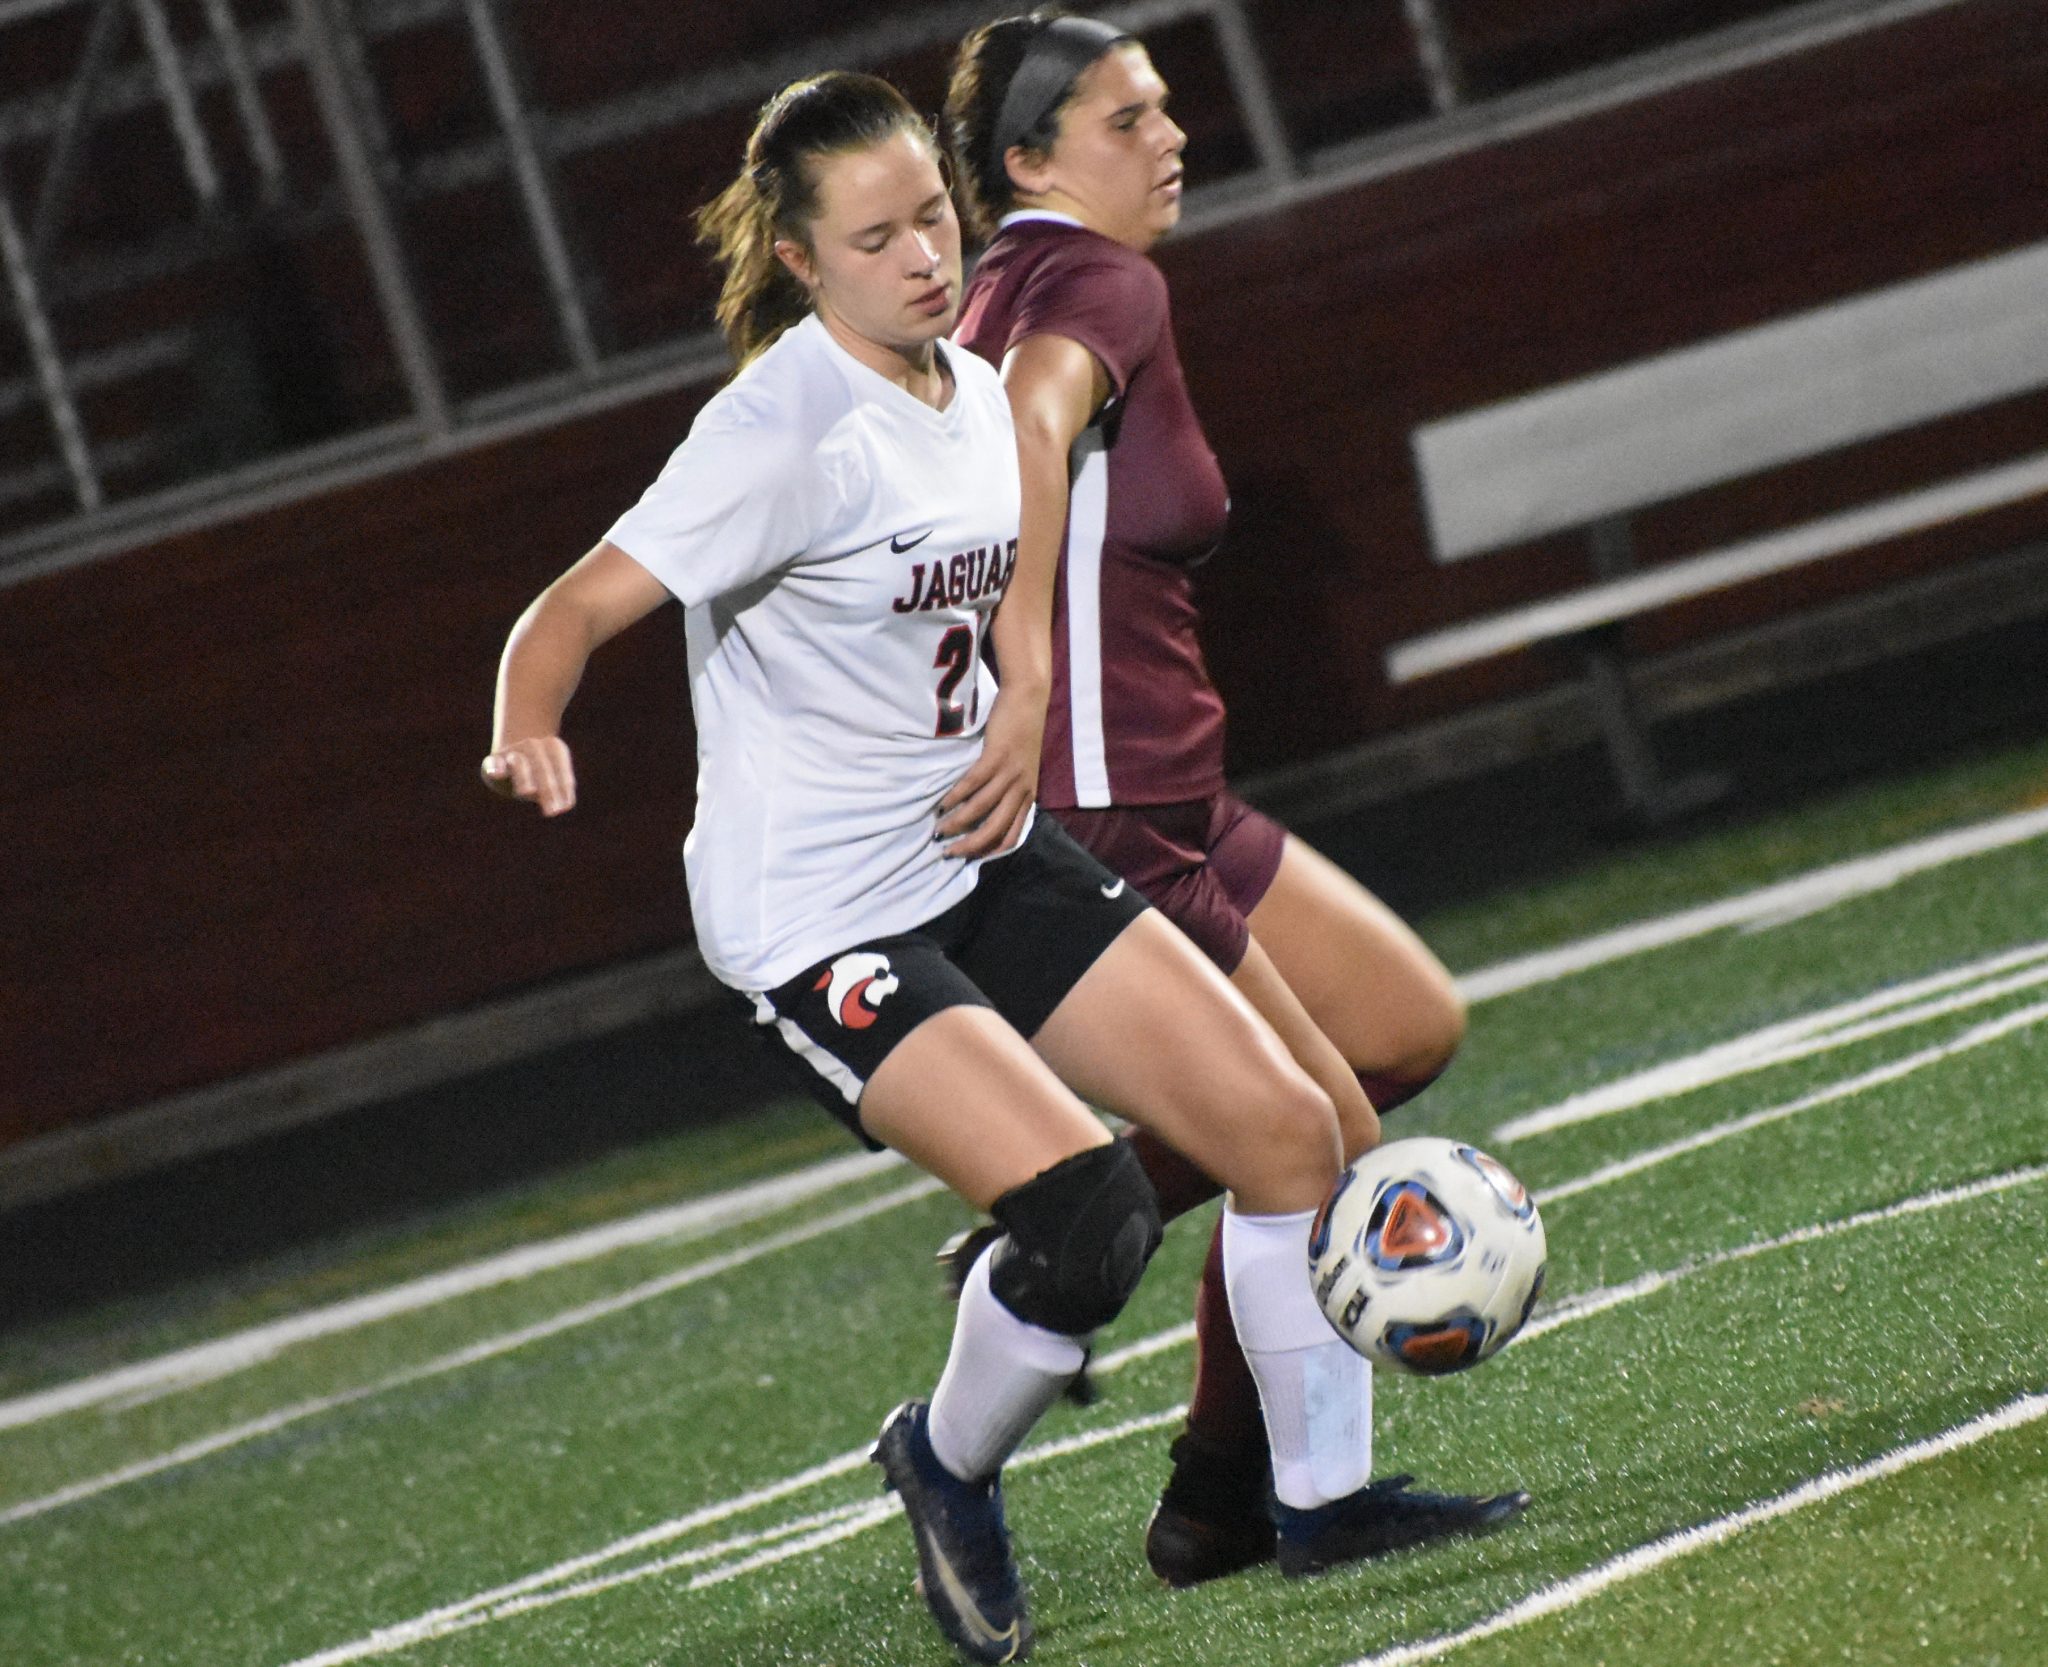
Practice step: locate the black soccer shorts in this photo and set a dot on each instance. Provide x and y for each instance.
(1038, 918)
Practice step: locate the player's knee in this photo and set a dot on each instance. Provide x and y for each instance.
(1077, 1237)
(1434, 1034)
(1296, 1147)
(1451, 1019)
(1434, 1031)
(1445, 1031)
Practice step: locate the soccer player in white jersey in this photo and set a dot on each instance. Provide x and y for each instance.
(956, 973)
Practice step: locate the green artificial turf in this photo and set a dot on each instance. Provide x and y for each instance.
(546, 1440)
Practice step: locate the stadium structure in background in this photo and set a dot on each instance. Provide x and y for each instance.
(332, 326)
(235, 229)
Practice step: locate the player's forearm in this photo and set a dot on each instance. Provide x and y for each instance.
(1022, 632)
(1023, 657)
(540, 670)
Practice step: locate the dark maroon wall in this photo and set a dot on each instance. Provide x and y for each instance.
(1317, 341)
(241, 821)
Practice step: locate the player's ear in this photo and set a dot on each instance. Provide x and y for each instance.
(1030, 170)
(797, 258)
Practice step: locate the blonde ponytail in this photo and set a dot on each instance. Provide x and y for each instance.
(760, 297)
(776, 196)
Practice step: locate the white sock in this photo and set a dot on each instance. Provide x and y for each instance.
(1315, 1388)
(1002, 1374)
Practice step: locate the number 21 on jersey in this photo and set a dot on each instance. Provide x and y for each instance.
(955, 662)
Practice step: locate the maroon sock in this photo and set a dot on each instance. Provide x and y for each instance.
(1181, 1185)
(1225, 1405)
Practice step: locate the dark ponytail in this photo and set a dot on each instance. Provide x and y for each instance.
(776, 196)
(1011, 80)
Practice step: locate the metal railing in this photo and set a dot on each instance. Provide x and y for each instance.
(214, 93)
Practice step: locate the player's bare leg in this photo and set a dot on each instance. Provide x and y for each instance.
(965, 1098)
(1389, 1006)
(1193, 1099)
(1225, 1092)
(1259, 979)
(1314, 1391)
(1021, 1122)
(1373, 987)
(1394, 1018)
(1080, 1221)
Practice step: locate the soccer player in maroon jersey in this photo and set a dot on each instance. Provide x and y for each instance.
(1071, 168)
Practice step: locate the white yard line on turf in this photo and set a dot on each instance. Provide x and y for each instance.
(1173, 1337)
(546, 1587)
(1822, 888)
(1896, 1008)
(206, 1362)
(488, 1349)
(543, 1590)
(456, 1617)
(1568, 1594)
(1992, 1030)
(1040, 1454)
(514, 1600)
(1572, 1309)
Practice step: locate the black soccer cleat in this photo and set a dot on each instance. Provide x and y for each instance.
(958, 1254)
(965, 1570)
(1380, 1517)
(1212, 1518)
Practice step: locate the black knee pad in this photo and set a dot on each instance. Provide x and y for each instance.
(1076, 1239)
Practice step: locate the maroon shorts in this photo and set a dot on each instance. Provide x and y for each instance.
(1204, 865)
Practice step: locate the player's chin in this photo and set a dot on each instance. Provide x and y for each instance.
(921, 326)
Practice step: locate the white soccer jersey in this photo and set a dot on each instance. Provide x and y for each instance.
(838, 547)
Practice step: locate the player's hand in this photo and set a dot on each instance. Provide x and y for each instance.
(986, 809)
(537, 769)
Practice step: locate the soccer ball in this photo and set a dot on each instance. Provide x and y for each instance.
(1427, 1256)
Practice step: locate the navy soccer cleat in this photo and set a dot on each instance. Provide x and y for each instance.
(965, 1570)
(1212, 1518)
(1380, 1517)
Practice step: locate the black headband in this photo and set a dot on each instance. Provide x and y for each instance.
(1057, 55)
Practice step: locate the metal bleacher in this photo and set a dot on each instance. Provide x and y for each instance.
(256, 245)
(1588, 456)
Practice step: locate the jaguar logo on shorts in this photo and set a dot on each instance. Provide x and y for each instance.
(855, 986)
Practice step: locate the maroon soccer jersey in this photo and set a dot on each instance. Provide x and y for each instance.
(1134, 718)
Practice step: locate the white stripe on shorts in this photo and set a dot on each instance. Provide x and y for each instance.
(832, 1069)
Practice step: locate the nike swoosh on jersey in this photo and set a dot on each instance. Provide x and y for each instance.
(899, 546)
(1116, 890)
(965, 1607)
